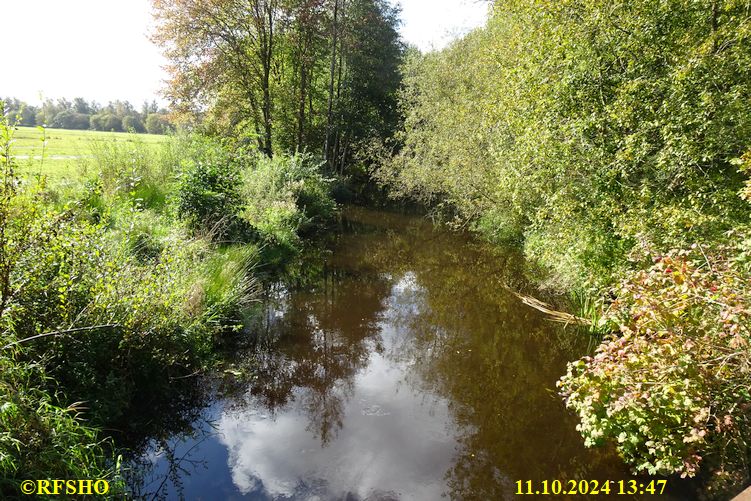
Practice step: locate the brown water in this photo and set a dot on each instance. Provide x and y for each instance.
(394, 367)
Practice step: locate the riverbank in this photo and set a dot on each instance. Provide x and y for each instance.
(610, 143)
(122, 278)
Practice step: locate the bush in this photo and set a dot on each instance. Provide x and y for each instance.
(112, 123)
(602, 129)
(40, 433)
(284, 196)
(672, 389)
(132, 313)
(208, 193)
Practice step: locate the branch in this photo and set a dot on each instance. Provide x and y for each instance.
(58, 333)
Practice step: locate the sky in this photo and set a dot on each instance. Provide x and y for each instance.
(100, 50)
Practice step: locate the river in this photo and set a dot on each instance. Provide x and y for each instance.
(392, 365)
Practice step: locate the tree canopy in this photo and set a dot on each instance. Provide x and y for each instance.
(315, 75)
(80, 114)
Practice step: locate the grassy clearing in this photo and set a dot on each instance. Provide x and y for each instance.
(67, 152)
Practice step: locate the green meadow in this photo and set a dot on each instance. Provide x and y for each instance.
(64, 154)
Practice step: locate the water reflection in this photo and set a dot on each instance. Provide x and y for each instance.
(311, 347)
(401, 370)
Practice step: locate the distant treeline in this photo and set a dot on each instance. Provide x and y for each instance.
(79, 114)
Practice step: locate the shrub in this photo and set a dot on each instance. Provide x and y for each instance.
(284, 196)
(112, 123)
(69, 119)
(40, 436)
(672, 388)
(208, 193)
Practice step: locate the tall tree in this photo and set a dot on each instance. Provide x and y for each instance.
(221, 50)
(368, 77)
(286, 71)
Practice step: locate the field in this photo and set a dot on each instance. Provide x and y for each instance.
(66, 152)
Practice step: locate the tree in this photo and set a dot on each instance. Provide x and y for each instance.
(222, 50)
(157, 123)
(132, 123)
(284, 71)
(81, 106)
(68, 119)
(15, 108)
(305, 45)
(369, 77)
(96, 123)
(112, 123)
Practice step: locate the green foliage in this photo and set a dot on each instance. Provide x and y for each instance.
(39, 439)
(132, 123)
(590, 126)
(673, 387)
(68, 119)
(227, 286)
(304, 75)
(591, 133)
(37, 433)
(136, 171)
(284, 196)
(80, 115)
(98, 282)
(208, 192)
(110, 300)
(157, 123)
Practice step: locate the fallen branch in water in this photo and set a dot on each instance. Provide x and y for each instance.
(556, 316)
(186, 376)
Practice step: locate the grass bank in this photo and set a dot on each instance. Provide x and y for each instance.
(121, 274)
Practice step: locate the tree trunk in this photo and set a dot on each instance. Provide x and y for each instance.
(301, 106)
(332, 73)
(266, 80)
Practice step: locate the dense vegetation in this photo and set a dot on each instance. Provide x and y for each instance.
(610, 141)
(121, 278)
(79, 114)
(319, 76)
(116, 284)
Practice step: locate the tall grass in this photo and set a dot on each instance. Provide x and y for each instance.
(588, 305)
(136, 170)
(106, 298)
(41, 439)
